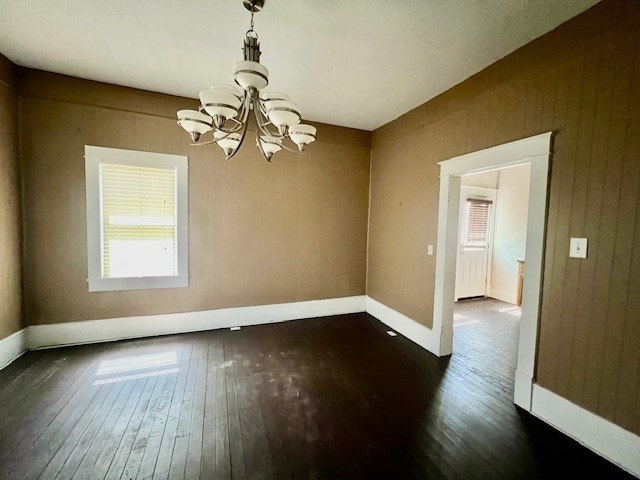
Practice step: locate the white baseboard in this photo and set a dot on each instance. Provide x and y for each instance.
(12, 347)
(602, 436)
(523, 390)
(411, 329)
(93, 331)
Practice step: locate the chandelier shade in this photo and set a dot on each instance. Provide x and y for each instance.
(250, 75)
(302, 135)
(226, 109)
(269, 145)
(227, 141)
(195, 122)
(220, 105)
(283, 114)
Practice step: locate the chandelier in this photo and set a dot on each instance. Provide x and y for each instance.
(225, 109)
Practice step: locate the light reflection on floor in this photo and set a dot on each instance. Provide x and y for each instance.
(514, 310)
(119, 366)
(459, 320)
(470, 322)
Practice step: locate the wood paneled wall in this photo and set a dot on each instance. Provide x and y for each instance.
(583, 82)
(10, 205)
(259, 234)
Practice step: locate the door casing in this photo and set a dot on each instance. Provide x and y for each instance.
(535, 151)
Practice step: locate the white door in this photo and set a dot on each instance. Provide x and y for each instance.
(476, 214)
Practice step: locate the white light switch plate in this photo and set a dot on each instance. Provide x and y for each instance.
(578, 248)
(429, 249)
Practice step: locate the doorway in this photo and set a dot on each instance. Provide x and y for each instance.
(534, 151)
(475, 239)
(492, 234)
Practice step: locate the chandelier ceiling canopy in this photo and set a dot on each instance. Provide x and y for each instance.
(225, 109)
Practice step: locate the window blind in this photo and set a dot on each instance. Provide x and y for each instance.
(477, 222)
(138, 220)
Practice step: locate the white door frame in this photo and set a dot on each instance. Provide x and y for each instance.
(535, 151)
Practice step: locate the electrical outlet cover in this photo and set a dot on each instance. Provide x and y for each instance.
(578, 248)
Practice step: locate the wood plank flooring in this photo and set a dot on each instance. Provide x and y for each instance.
(330, 398)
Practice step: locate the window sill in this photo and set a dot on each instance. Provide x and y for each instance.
(137, 283)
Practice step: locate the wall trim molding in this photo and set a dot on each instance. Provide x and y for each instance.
(414, 331)
(605, 438)
(111, 329)
(13, 346)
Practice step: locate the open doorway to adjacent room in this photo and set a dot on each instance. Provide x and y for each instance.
(532, 153)
(492, 233)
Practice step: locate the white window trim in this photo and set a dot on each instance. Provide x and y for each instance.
(93, 157)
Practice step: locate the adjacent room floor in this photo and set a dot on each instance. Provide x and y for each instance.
(330, 398)
(485, 340)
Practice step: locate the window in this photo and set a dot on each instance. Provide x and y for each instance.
(136, 219)
(476, 233)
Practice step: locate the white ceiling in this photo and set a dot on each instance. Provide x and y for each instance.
(354, 63)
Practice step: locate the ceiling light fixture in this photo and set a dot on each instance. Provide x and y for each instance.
(225, 109)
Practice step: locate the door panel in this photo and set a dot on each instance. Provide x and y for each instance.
(471, 277)
(474, 235)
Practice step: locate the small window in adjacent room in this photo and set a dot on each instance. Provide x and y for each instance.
(137, 221)
(477, 223)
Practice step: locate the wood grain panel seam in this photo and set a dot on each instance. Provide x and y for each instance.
(609, 267)
(615, 242)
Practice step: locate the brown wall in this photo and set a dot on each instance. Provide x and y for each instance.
(583, 82)
(10, 218)
(259, 234)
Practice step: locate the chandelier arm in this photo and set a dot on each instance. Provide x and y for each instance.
(236, 128)
(263, 114)
(245, 123)
(238, 123)
(263, 109)
(216, 140)
(267, 132)
(297, 152)
(262, 152)
(244, 109)
(202, 144)
(264, 130)
(279, 138)
(256, 108)
(265, 124)
(244, 132)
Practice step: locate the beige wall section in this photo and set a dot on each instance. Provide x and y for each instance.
(259, 234)
(10, 217)
(583, 82)
(510, 232)
(482, 180)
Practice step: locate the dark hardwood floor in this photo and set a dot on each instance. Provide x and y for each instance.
(324, 398)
